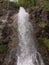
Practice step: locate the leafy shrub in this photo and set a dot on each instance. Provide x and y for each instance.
(26, 3)
(45, 4)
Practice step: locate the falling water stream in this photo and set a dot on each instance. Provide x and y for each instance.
(13, 0)
(27, 53)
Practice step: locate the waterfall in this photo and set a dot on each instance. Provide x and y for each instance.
(13, 0)
(27, 53)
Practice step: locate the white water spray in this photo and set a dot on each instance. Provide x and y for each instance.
(27, 53)
(13, 0)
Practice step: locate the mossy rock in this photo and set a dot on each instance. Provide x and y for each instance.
(44, 41)
(42, 24)
(3, 48)
(40, 40)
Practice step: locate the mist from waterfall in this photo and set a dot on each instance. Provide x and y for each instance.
(26, 53)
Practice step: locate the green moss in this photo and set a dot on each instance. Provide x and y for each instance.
(15, 5)
(3, 48)
(40, 40)
(26, 3)
(21, 2)
(42, 25)
(44, 41)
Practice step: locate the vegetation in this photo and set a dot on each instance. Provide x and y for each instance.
(44, 41)
(45, 4)
(39, 14)
(3, 48)
(26, 3)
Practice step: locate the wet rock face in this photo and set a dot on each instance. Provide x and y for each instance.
(10, 38)
(7, 35)
(44, 52)
(41, 26)
(48, 15)
(3, 47)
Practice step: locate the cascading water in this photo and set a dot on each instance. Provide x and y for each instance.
(27, 53)
(13, 0)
